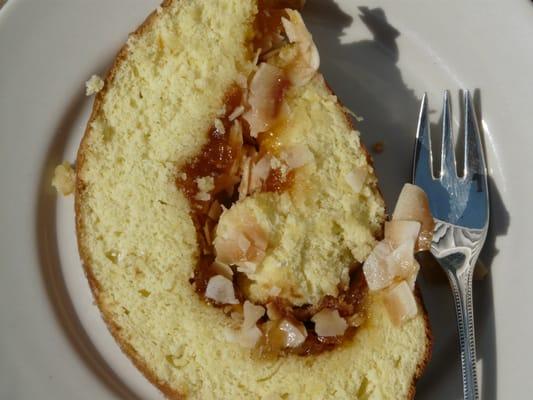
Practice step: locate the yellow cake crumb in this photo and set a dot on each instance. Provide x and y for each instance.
(64, 179)
(93, 85)
(205, 183)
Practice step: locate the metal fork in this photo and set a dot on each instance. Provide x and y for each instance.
(460, 207)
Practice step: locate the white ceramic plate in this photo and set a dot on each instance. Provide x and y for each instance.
(378, 56)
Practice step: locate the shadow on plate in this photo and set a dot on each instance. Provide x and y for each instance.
(365, 76)
(50, 261)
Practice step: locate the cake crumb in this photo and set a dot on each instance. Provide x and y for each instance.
(205, 183)
(275, 163)
(378, 147)
(202, 196)
(219, 126)
(93, 85)
(345, 277)
(131, 40)
(64, 179)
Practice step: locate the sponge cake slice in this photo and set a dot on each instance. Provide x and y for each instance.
(139, 244)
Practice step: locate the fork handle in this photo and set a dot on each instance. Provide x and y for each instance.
(460, 278)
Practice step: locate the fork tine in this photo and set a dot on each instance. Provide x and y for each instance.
(422, 172)
(474, 155)
(447, 165)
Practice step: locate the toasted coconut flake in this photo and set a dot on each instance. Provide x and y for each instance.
(252, 314)
(259, 173)
(275, 338)
(290, 29)
(398, 232)
(328, 322)
(273, 312)
(355, 179)
(402, 264)
(227, 250)
(244, 186)
(220, 289)
(300, 71)
(413, 205)
(235, 135)
(294, 335)
(248, 338)
(242, 241)
(236, 113)
(297, 155)
(222, 269)
(265, 97)
(234, 174)
(219, 126)
(207, 233)
(304, 67)
(246, 267)
(400, 303)
(376, 268)
(214, 210)
(256, 56)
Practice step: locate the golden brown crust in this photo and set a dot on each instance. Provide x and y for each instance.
(115, 330)
(168, 391)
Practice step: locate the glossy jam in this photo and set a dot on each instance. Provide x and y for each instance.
(277, 181)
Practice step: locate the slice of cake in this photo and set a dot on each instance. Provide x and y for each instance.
(229, 219)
